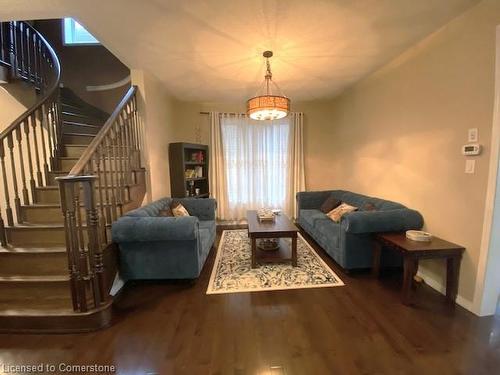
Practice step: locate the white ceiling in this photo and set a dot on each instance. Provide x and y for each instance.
(212, 50)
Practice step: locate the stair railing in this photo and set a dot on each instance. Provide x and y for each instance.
(30, 145)
(93, 196)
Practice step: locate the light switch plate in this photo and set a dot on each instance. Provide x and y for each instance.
(470, 166)
(473, 135)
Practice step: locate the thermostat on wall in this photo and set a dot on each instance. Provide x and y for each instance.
(471, 149)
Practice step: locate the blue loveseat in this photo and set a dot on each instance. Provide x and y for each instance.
(349, 242)
(157, 247)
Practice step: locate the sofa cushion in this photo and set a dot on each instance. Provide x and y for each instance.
(152, 209)
(329, 204)
(310, 216)
(329, 233)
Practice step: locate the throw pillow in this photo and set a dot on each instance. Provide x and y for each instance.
(369, 207)
(179, 210)
(329, 204)
(337, 213)
(166, 212)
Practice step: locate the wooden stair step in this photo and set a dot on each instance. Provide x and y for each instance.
(80, 116)
(38, 288)
(33, 261)
(50, 194)
(75, 127)
(35, 234)
(77, 138)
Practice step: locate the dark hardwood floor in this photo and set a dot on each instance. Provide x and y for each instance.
(362, 328)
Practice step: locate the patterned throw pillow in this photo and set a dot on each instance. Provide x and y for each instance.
(179, 210)
(329, 204)
(337, 213)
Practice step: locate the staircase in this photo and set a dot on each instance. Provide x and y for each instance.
(68, 170)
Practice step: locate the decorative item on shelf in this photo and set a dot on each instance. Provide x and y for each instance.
(197, 191)
(190, 173)
(268, 105)
(199, 171)
(191, 188)
(268, 244)
(418, 235)
(265, 214)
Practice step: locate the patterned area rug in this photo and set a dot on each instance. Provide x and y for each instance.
(232, 272)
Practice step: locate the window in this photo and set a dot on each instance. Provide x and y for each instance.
(257, 163)
(76, 34)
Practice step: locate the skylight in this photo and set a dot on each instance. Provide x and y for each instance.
(76, 34)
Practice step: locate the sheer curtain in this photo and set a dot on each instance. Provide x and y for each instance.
(255, 163)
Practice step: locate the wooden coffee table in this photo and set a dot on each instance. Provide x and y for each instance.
(412, 252)
(281, 228)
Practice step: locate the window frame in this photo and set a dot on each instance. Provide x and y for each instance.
(76, 44)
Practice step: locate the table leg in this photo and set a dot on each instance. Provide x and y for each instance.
(254, 252)
(377, 252)
(410, 269)
(452, 275)
(294, 251)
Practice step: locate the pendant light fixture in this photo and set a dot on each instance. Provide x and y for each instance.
(268, 105)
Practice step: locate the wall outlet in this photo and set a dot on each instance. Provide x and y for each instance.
(473, 135)
(470, 166)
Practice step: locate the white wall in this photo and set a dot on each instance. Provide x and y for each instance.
(156, 109)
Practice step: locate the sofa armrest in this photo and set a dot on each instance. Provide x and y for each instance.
(311, 199)
(146, 229)
(397, 220)
(202, 208)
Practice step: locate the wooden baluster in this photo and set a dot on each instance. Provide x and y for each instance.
(19, 137)
(95, 243)
(120, 162)
(17, 200)
(44, 124)
(30, 160)
(128, 150)
(8, 209)
(50, 134)
(29, 50)
(122, 155)
(37, 152)
(109, 188)
(114, 166)
(69, 190)
(3, 237)
(58, 124)
(83, 255)
(136, 131)
(100, 180)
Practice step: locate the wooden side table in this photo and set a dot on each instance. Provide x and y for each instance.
(412, 252)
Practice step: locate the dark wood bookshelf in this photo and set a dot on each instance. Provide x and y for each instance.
(185, 157)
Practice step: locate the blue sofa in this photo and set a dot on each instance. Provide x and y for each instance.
(349, 242)
(156, 247)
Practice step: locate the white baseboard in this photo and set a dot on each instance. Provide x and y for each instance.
(436, 285)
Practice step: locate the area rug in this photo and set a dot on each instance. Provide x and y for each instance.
(232, 271)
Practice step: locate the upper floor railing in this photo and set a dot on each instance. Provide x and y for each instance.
(29, 146)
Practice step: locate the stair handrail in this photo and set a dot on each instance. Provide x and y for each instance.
(48, 88)
(30, 144)
(103, 174)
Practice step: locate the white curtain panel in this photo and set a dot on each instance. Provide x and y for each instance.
(297, 178)
(255, 163)
(217, 174)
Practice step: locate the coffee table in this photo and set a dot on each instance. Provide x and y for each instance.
(281, 228)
